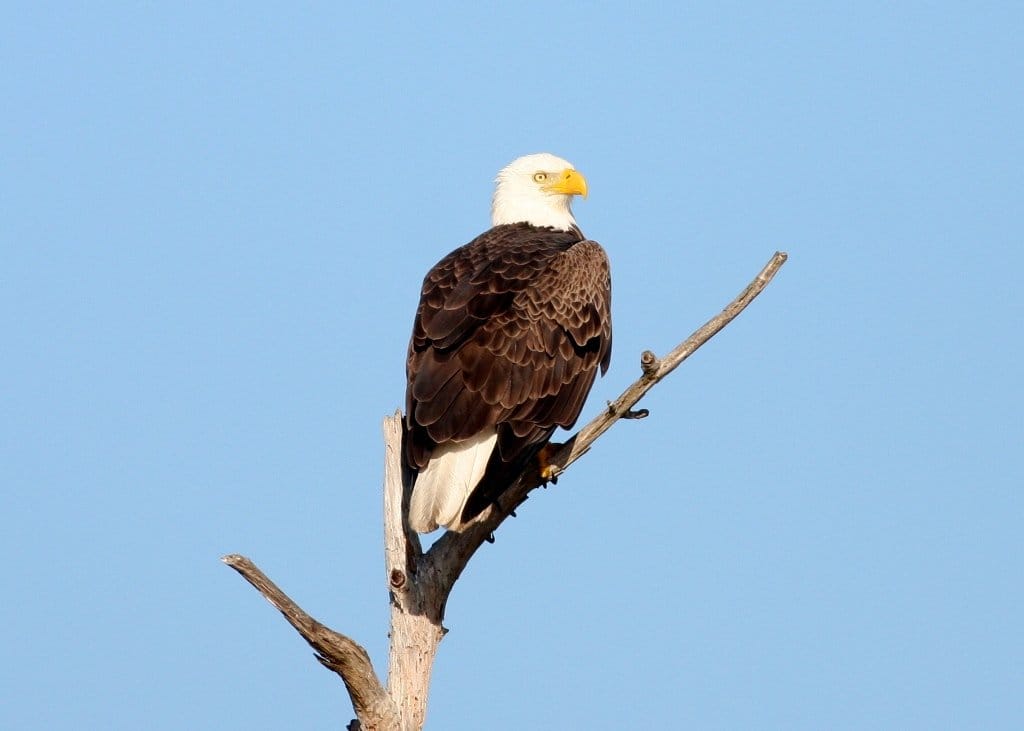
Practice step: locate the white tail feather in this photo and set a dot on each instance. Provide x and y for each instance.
(443, 486)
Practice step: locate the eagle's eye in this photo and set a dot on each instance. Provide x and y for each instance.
(540, 177)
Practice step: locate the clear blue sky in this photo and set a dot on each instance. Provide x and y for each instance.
(214, 219)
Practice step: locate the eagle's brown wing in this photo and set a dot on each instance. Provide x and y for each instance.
(509, 334)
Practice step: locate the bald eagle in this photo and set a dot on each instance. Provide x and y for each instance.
(508, 337)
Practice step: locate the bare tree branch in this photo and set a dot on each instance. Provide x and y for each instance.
(453, 550)
(654, 370)
(334, 650)
(420, 583)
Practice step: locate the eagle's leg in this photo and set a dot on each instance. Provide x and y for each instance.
(547, 469)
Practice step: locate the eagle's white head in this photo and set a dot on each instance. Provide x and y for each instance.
(537, 189)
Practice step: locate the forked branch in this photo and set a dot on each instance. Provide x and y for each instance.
(420, 582)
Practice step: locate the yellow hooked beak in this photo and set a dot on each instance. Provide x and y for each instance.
(569, 182)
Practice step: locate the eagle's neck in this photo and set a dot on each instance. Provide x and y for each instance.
(511, 206)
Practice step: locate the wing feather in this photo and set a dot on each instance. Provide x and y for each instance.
(510, 332)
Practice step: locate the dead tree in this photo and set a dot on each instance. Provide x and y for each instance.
(419, 581)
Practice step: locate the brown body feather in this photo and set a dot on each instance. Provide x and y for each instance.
(509, 334)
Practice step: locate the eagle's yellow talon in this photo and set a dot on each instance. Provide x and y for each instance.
(547, 469)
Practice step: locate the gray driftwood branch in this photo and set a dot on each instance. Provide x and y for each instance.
(419, 582)
(334, 650)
